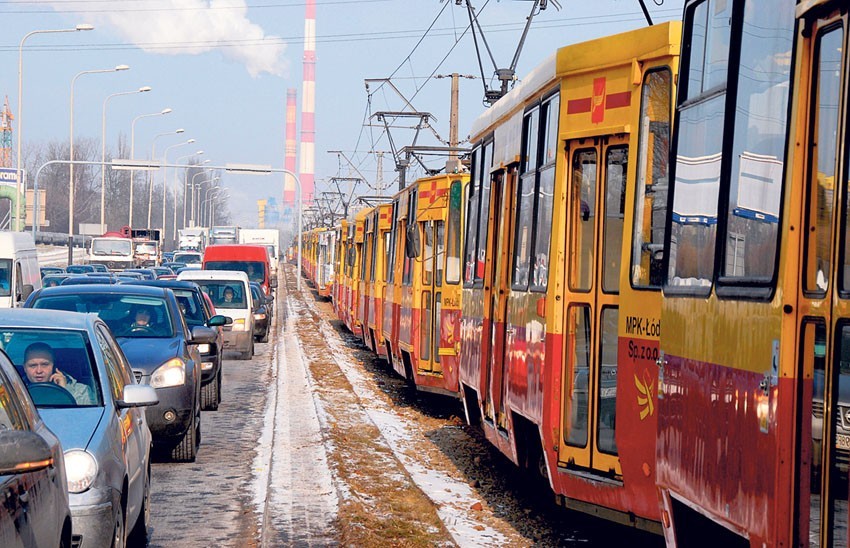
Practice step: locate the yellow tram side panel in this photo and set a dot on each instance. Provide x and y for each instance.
(357, 285)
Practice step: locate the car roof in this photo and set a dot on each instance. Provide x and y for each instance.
(170, 284)
(123, 289)
(34, 317)
(196, 274)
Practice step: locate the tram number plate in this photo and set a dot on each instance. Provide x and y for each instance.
(842, 441)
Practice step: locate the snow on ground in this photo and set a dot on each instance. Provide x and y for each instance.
(294, 489)
(453, 498)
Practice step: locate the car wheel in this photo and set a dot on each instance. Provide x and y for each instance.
(248, 354)
(218, 382)
(139, 533)
(118, 538)
(186, 450)
(210, 394)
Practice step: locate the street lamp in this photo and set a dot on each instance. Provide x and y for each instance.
(212, 194)
(186, 188)
(165, 180)
(133, 153)
(20, 223)
(143, 89)
(174, 187)
(71, 166)
(196, 202)
(153, 158)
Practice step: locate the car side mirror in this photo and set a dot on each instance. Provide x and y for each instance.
(23, 451)
(273, 283)
(138, 395)
(218, 320)
(203, 335)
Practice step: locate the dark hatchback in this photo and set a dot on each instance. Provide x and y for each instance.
(262, 312)
(163, 352)
(197, 312)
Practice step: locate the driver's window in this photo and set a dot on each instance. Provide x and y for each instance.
(10, 418)
(19, 284)
(114, 370)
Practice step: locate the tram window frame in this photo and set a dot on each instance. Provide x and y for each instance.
(373, 260)
(525, 201)
(611, 271)
(844, 222)
(482, 247)
(551, 106)
(409, 263)
(390, 271)
(659, 154)
(472, 203)
(454, 235)
(738, 222)
(711, 96)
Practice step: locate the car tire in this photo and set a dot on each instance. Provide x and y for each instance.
(139, 533)
(248, 354)
(119, 539)
(186, 450)
(265, 337)
(210, 393)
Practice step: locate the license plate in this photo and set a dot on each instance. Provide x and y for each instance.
(842, 441)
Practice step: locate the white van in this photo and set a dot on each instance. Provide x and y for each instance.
(19, 271)
(239, 305)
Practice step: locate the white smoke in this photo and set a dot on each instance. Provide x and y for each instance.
(188, 27)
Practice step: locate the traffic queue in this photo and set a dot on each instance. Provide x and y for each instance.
(98, 363)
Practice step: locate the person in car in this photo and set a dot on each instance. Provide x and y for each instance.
(39, 367)
(228, 294)
(141, 319)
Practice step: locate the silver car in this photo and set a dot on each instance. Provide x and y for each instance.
(85, 391)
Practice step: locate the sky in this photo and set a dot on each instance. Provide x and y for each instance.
(224, 67)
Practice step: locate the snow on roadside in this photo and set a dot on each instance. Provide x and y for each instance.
(453, 498)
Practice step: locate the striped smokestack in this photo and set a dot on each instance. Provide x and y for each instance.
(308, 105)
(291, 147)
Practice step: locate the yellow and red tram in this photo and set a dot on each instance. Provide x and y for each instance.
(559, 328)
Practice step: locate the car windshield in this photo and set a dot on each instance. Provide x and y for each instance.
(5, 277)
(79, 269)
(187, 258)
(132, 316)
(55, 365)
(254, 269)
(145, 247)
(224, 293)
(111, 247)
(190, 306)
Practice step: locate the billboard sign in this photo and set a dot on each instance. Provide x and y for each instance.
(9, 176)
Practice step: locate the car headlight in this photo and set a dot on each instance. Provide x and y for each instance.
(204, 348)
(239, 324)
(259, 316)
(80, 469)
(171, 373)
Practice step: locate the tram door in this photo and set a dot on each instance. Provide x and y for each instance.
(434, 234)
(502, 192)
(596, 199)
(824, 309)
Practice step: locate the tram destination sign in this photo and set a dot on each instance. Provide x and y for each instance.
(9, 177)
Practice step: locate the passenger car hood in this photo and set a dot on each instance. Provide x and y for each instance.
(148, 354)
(74, 426)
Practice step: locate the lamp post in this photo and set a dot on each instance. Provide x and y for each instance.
(192, 218)
(71, 166)
(20, 222)
(133, 153)
(165, 180)
(153, 157)
(196, 202)
(200, 204)
(143, 89)
(174, 187)
(186, 189)
(212, 194)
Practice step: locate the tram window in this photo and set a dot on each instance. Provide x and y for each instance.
(651, 199)
(425, 327)
(606, 424)
(428, 256)
(391, 251)
(373, 252)
(362, 254)
(530, 139)
(472, 218)
(710, 26)
(695, 195)
(543, 228)
(439, 239)
(453, 237)
(578, 354)
(550, 132)
(522, 245)
(407, 274)
(387, 249)
(484, 214)
(821, 177)
(583, 203)
(755, 191)
(616, 168)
